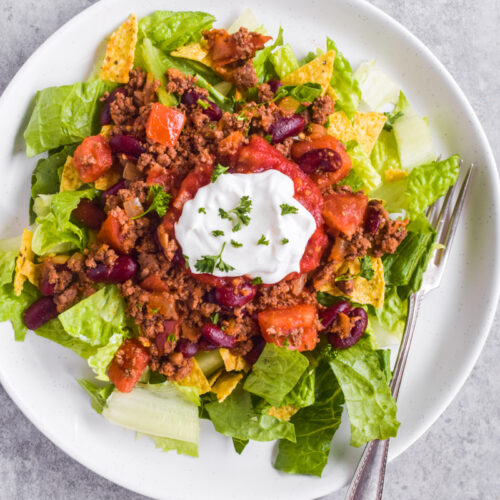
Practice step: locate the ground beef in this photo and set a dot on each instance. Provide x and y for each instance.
(390, 233)
(264, 93)
(178, 83)
(342, 326)
(321, 109)
(244, 76)
(239, 46)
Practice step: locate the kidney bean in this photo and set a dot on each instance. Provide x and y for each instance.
(45, 286)
(191, 98)
(285, 127)
(188, 349)
(328, 316)
(216, 336)
(127, 145)
(89, 214)
(258, 346)
(373, 220)
(274, 84)
(38, 313)
(123, 269)
(204, 345)
(325, 159)
(356, 331)
(113, 190)
(231, 296)
(106, 107)
(210, 297)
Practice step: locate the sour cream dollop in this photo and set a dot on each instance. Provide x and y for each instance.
(270, 192)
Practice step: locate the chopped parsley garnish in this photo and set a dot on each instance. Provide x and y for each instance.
(160, 201)
(214, 318)
(284, 241)
(172, 338)
(366, 271)
(236, 244)
(391, 119)
(154, 311)
(263, 241)
(202, 210)
(286, 342)
(288, 209)
(218, 171)
(257, 281)
(186, 258)
(203, 104)
(268, 138)
(208, 263)
(217, 233)
(238, 215)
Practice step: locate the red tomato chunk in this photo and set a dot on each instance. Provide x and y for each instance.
(92, 158)
(128, 365)
(165, 124)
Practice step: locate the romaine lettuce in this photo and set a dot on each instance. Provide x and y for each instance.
(314, 428)
(284, 61)
(363, 167)
(384, 154)
(262, 60)
(377, 89)
(275, 373)
(98, 394)
(302, 394)
(63, 115)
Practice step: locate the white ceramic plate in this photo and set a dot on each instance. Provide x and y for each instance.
(454, 321)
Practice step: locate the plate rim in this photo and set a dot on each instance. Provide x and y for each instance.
(491, 166)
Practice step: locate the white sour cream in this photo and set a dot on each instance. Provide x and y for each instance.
(267, 191)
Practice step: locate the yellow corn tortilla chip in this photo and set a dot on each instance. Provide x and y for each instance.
(226, 384)
(395, 174)
(119, 59)
(232, 362)
(365, 291)
(215, 376)
(108, 179)
(330, 92)
(106, 131)
(196, 379)
(283, 412)
(194, 52)
(319, 70)
(366, 128)
(70, 178)
(25, 264)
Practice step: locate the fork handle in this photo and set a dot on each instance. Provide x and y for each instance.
(368, 480)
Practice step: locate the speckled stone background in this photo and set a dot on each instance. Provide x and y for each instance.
(459, 457)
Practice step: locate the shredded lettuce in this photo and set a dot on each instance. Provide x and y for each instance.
(262, 62)
(63, 115)
(377, 89)
(384, 155)
(98, 394)
(363, 168)
(284, 61)
(343, 82)
(238, 418)
(7, 266)
(368, 398)
(276, 373)
(314, 428)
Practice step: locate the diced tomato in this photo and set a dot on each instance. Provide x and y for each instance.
(338, 251)
(162, 303)
(92, 158)
(319, 141)
(154, 283)
(277, 325)
(111, 234)
(165, 124)
(128, 365)
(344, 212)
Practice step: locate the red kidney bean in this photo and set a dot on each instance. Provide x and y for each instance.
(231, 296)
(274, 84)
(40, 312)
(89, 214)
(328, 316)
(373, 220)
(356, 331)
(216, 336)
(123, 269)
(106, 107)
(168, 329)
(127, 145)
(188, 349)
(46, 287)
(204, 345)
(210, 297)
(191, 98)
(325, 159)
(113, 190)
(285, 127)
(258, 346)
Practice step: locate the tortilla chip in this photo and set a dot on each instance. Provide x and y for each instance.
(232, 362)
(194, 52)
(70, 179)
(25, 264)
(215, 376)
(226, 384)
(319, 70)
(284, 412)
(395, 174)
(366, 128)
(119, 59)
(106, 131)
(196, 379)
(330, 92)
(365, 291)
(108, 179)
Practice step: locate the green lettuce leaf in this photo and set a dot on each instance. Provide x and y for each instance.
(314, 428)
(169, 444)
(63, 115)
(238, 418)
(239, 445)
(302, 394)
(368, 398)
(100, 360)
(363, 167)
(353, 180)
(343, 82)
(7, 266)
(275, 373)
(384, 155)
(98, 394)
(388, 321)
(55, 233)
(169, 30)
(284, 61)
(262, 60)
(301, 93)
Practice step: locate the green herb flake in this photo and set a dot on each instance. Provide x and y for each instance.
(268, 138)
(218, 171)
(288, 209)
(172, 338)
(214, 318)
(202, 210)
(203, 104)
(238, 215)
(263, 241)
(236, 244)
(284, 241)
(217, 233)
(208, 263)
(257, 281)
(160, 201)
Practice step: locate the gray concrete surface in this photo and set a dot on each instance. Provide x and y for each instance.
(459, 457)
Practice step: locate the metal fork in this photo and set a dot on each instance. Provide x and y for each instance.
(368, 480)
